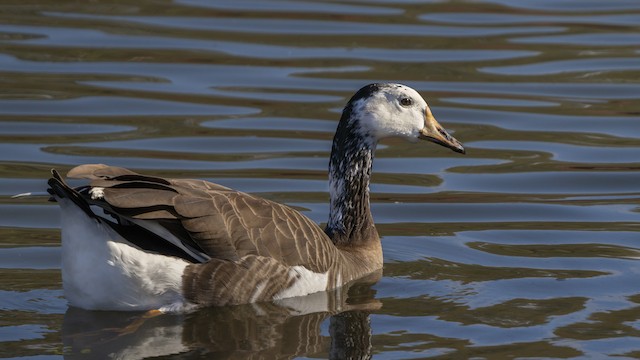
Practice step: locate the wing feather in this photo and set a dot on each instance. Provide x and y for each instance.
(225, 224)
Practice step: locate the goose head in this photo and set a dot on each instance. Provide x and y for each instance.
(395, 110)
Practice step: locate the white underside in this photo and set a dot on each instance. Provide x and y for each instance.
(308, 282)
(102, 271)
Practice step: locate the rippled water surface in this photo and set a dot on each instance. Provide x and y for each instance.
(528, 246)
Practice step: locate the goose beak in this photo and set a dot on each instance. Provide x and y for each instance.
(434, 132)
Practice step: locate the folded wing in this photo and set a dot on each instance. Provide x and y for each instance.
(206, 220)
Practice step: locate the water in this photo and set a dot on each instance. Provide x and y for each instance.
(525, 247)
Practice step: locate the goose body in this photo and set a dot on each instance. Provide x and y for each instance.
(137, 242)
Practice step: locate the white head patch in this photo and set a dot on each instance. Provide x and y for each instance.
(394, 110)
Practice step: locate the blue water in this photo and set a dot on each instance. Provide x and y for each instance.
(525, 247)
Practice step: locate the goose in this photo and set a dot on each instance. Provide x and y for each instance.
(139, 242)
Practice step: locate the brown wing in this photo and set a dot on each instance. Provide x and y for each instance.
(226, 224)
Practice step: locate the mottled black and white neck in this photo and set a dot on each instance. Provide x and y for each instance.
(375, 112)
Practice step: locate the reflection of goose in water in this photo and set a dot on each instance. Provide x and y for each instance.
(277, 330)
(173, 244)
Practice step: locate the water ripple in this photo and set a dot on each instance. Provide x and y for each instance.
(60, 37)
(526, 246)
(459, 18)
(564, 66)
(608, 39)
(311, 27)
(569, 5)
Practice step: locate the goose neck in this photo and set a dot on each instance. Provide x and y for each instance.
(350, 220)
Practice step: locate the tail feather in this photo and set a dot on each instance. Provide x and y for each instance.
(149, 237)
(58, 188)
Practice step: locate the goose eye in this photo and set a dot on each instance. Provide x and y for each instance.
(406, 102)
